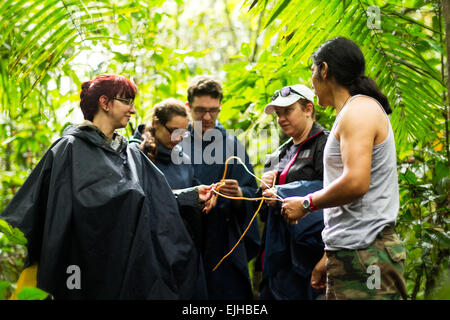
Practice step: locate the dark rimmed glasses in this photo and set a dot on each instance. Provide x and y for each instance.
(129, 101)
(177, 135)
(285, 92)
(202, 111)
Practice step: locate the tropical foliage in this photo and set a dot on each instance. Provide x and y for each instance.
(405, 53)
(255, 47)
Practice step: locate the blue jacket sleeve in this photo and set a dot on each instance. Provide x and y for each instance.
(301, 232)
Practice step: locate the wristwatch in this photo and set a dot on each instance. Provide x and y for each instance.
(307, 204)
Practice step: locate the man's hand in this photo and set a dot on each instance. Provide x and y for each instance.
(270, 193)
(292, 209)
(268, 178)
(231, 188)
(319, 274)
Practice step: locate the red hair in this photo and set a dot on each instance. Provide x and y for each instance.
(109, 85)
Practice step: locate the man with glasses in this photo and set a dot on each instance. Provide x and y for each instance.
(210, 145)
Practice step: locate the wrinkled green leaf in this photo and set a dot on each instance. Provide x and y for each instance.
(13, 234)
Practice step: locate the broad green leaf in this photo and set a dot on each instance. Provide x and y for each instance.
(410, 177)
(124, 25)
(245, 49)
(31, 293)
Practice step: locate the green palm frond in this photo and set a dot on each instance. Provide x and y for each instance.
(400, 56)
(39, 35)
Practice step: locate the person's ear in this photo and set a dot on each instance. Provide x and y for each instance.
(103, 102)
(155, 123)
(324, 71)
(188, 106)
(309, 109)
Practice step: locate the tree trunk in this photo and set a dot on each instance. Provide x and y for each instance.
(446, 11)
(258, 30)
(438, 275)
(418, 282)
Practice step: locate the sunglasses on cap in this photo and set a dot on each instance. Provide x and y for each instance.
(285, 92)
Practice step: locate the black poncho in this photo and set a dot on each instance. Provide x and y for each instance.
(111, 214)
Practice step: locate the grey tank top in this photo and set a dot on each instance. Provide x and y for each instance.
(356, 224)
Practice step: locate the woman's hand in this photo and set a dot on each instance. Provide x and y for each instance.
(292, 209)
(204, 192)
(319, 274)
(270, 193)
(268, 178)
(231, 188)
(207, 197)
(211, 203)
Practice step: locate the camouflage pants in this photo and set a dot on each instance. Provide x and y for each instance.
(375, 272)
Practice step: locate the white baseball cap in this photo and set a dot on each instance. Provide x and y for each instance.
(288, 96)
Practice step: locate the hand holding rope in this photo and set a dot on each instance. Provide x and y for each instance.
(217, 193)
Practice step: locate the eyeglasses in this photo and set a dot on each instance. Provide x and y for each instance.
(129, 101)
(285, 92)
(177, 135)
(202, 111)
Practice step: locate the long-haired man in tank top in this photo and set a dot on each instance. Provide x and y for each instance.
(364, 258)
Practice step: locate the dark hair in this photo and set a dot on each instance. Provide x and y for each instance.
(204, 86)
(166, 109)
(163, 112)
(304, 102)
(347, 65)
(109, 85)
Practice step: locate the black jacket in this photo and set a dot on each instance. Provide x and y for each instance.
(181, 180)
(112, 214)
(291, 252)
(309, 162)
(225, 223)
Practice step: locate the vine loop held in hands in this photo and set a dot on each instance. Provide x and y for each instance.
(222, 183)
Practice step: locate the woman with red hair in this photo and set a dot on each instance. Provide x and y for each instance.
(100, 219)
